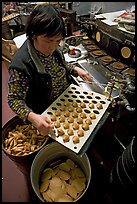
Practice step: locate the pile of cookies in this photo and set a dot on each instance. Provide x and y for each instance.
(23, 140)
(63, 182)
(70, 120)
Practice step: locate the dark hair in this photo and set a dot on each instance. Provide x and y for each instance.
(45, 19)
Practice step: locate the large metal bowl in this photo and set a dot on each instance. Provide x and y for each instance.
(51, 153)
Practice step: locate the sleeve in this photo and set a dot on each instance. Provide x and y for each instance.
(17, 89)
(73, 72)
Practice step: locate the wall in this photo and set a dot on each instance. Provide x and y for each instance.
(83, 8)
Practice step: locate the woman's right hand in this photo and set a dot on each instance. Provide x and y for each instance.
(41, 122)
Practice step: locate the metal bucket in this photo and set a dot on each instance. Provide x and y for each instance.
(51, 153)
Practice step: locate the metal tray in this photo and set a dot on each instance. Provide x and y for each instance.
(81, 96)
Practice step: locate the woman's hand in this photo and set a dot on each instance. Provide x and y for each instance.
(85, 75)
(42, 123)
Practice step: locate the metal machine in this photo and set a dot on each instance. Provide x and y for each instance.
(108, 54)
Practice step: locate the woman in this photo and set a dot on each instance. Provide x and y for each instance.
(38, 71)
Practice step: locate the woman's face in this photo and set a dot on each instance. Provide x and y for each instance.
(46, 45)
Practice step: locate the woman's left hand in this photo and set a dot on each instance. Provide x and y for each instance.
(85, 75)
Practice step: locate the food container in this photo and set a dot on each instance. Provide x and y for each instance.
(22, 161)
(52, 153)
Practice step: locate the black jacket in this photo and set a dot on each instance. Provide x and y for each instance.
(38, 96)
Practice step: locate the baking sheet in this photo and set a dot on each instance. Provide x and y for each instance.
(77, 94)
